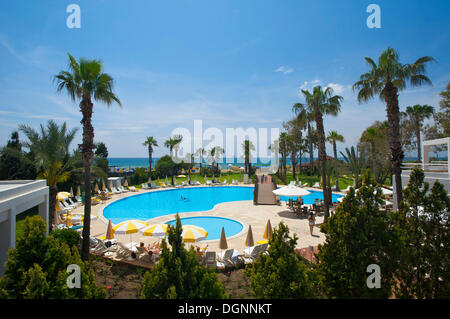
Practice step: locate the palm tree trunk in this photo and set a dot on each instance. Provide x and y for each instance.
(374, 162)
(391, 98)
(149, 162)
(87, 154)
(419, 147)
(335, 165)
(171, 166)
(322, 163)
(52, 206)
(310, 156)
(293, 165)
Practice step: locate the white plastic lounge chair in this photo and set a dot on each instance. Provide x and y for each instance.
(79, 199)
(316, 184)
(133, 189)
(226, 259)
(115, 190)
(254, 254)
(234, 182)
(122, 189)
(63, 208)
(210, 259)
(208, 182)
(74, 204)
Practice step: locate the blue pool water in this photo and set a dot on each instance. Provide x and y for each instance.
(166, 202)
(213, 225)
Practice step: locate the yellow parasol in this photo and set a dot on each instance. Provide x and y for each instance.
(223, 241)
(109, 231)
(192, 234)
(154, 230)
(62, 195)
(249, 239)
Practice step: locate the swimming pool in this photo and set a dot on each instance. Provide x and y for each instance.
(182, 200)
(213, 225)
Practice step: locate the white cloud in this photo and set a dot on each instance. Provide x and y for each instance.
(337, 88)
(284, 70)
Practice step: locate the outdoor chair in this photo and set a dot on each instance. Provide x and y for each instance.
(210, 259)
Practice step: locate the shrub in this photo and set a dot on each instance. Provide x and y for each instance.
(67, 236)
(178, 275)
(37, 267)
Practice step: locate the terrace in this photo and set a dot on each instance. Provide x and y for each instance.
(434, 170)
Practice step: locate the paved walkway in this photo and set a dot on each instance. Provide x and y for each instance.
(242, 211)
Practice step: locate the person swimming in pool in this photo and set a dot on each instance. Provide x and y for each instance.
(184, 198)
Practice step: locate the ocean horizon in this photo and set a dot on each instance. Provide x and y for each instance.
(134, 162)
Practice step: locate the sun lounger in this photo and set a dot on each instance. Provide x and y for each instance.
(254, 253)
(210, 259)
(316, 185)
(133, 189)
(122, 189)
(208, 182)
(234, 182)
(225, 259)
(74, 204)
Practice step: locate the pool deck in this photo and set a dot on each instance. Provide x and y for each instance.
(242, 211)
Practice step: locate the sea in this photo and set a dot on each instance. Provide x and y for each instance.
(133, 162)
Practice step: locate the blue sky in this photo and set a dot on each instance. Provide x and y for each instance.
(228, 63)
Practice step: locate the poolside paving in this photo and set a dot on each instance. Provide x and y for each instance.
(242, 211)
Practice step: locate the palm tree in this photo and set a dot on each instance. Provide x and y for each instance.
(215, 153)
(52, 158)
(334, 137)
(200, 152)
(385, 80)
(356, 163)
(150, 142)
(283, 145)
(304, 115)
(83, 81)
(371, 135)
(318, 103)
(417, 114)
(171, 144)
(248, 146)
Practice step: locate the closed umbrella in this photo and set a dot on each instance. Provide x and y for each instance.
(267, 233)
(126, 183)
(157, 230)
(78, 191)
(96, 188)
(71, 191)
(249, 239)
(103, 186)
(110, 185)
(223, 241)
(192, 233)
(149, 180)
(109, 231)
(167, 181)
